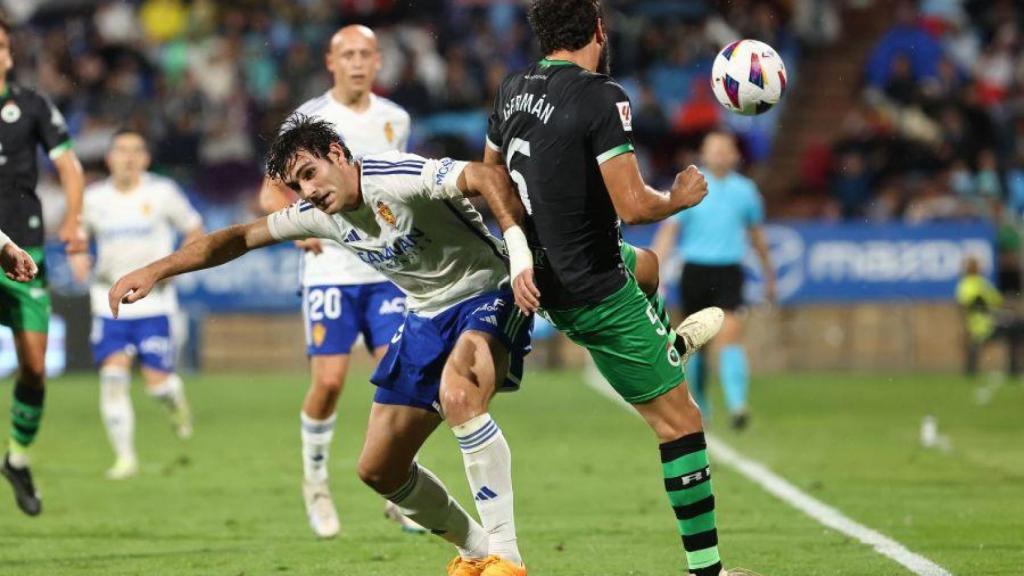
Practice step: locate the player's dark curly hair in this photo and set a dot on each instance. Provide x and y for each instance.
(564, 24)
(301, 132)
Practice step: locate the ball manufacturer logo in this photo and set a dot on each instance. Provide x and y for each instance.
(10, 113)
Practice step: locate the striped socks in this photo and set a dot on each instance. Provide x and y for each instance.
(316, 446)
(425, 500)
(26, 415)
(488, 462)
(688, 482)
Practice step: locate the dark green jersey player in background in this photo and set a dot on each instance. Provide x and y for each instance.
(29, 121)
(563, 128)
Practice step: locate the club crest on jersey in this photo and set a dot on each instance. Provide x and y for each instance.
(10, 113)
(385, 213)
(319, 334)
(389, 132)
(626, 115)
(147, 209)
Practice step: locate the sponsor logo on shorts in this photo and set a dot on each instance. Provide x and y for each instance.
(319, 334)
(673, 356)
(394, 306)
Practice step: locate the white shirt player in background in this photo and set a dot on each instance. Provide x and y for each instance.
(134, 217)
(15, 262)
(342, 297)
(463, 337)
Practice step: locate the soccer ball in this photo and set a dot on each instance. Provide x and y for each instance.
(748, 77)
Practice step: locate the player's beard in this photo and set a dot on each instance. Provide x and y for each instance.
(604, 63)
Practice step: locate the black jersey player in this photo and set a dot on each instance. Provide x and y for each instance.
(29, 121)
(563, 128)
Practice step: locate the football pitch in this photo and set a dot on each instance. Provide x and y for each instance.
(589, 499)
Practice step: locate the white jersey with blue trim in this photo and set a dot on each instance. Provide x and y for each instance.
(415, 227)
(133, 228)
(382, 127)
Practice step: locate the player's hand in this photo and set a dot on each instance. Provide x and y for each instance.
(526, 292)
(17, 264)
(310, 245)
(690, 187)
(73, 236)
(132, 287)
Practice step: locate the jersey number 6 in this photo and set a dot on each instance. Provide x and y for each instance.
(523, 147)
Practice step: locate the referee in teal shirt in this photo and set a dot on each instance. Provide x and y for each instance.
(713, 237)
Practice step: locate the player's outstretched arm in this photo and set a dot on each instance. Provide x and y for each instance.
(274, 196)
(72, 180)
(15, 262)
(492, 182)
(209, 251)
(637, 203)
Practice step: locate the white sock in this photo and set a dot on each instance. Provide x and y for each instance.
(316, 446)
(116, 410)
(170, 392)
(425, 500)
(488, 462)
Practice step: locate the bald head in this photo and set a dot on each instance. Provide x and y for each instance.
(353, 59)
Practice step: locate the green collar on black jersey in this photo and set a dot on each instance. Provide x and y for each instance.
(546, 62)
(6, 91)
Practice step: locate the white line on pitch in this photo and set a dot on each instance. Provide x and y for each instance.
(723, 453)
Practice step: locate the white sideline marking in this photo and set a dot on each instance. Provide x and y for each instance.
(759, 474)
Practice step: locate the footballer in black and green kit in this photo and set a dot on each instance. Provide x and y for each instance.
(564, 131)
(28, 122)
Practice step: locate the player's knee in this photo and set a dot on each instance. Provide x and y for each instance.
(375, 474)
(461, 402)
(328, 381)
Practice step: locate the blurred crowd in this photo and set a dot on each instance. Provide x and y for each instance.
(208, 81)
(939, 130)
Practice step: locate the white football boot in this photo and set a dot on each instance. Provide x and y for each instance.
(123, 469)
(323, 517)
(698, 329)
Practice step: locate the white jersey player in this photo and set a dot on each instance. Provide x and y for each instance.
(342, 296)
(462, 339)
(134, 217)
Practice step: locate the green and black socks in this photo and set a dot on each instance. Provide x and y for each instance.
(688, 483)
(26, 415)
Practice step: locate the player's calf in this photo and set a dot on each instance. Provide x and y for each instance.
(467, 385)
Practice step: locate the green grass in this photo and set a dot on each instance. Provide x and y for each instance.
(588, 488)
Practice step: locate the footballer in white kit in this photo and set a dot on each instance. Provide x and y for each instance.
(342, 297)
(369, 304)
(464, 336)
(134, 216)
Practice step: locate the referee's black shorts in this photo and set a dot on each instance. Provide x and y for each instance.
(703, 286)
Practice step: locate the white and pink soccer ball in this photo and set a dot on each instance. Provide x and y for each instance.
(748, 77)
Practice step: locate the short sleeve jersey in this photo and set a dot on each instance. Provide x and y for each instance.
(714, 232)
(27, 120)
(555, 124)
(132, 229)
(414, 227)
(384, 126)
